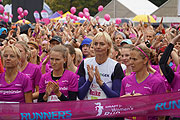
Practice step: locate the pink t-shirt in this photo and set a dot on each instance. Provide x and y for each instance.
(14, 92)
(175, 85)
(34, 72)
(68, 82)
(151, 85)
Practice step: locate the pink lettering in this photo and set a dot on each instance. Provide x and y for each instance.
(96, 93)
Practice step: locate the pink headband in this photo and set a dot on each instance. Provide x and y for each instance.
(142, 52)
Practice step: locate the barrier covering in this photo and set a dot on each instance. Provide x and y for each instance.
(153, 105)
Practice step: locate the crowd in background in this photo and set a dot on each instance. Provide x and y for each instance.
(67, 61)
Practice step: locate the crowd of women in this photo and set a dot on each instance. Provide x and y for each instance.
(67, 61)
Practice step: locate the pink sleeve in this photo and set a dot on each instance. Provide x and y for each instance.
(159, 87)
(73, 83)
(38, 76)
(27, 84)
(42, 86)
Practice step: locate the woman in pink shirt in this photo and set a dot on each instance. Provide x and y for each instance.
(31, 70)
(141, 82)
(14, 86)
(59, 84)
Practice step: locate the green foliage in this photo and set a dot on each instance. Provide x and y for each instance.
(6, 2)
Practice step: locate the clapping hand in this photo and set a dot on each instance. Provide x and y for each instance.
(90, 72)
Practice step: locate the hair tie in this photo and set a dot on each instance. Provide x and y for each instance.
(142, 52)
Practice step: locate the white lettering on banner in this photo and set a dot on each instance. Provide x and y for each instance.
(10, 91)
(111, 109)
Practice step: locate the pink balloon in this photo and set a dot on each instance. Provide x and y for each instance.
(75, 18)
(23, 20)
(5, 13)
(118, 20)
(25, 12)
(19, 10)
(1, 9)
(86, 14)
(155, 17)
(81, 14)
(97, 18)
(22, 15)
(6, 18)
(11, 15)
(86, 10)
(107, 17)
(67, 15)
(72, 16)
(19, 17)
(100, 8)
(73, 10)
(1, 17)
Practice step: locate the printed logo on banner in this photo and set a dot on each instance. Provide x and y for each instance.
(99, 108)
(111, 109)
(46, 115)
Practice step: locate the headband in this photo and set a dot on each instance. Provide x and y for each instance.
(142, 52)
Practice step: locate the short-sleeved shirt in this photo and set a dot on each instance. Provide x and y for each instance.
(68, 82)
(1, 67)
(14, 92)
(151, 85)
(34, 72)
(175, 85)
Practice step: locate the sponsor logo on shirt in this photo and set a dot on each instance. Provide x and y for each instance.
(104, 75)
(28, 74)
(18, 85)
(10, 91)
(63, 88)
(94, 92)
(128, 85)
(147, 87)
(65, 81)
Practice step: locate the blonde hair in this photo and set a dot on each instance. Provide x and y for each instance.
(26, 48)
(24, 37)
(78, 54)
(14, 49)
(107, 39)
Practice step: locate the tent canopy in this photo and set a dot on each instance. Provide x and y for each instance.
(55, 15)
(63, 16)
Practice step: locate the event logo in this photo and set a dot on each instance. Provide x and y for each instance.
(46, 115)
(99, 108)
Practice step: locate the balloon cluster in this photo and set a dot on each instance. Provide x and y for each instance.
(5, 17)
(21, 13)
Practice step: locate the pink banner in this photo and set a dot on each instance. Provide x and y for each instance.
(153, 105)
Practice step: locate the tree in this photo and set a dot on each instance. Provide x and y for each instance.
(6, 2)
